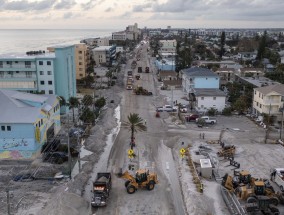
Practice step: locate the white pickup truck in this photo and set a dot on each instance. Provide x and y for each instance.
(207, 119)
(279, 177)
(167, 108)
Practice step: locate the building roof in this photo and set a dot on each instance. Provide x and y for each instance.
(172, 82)
(198, 71)
(102, 48)
(209, 92)
(24, 56)
(16, 106)
(278, 88)
(167, 73)
(225, 70)
(248, 69)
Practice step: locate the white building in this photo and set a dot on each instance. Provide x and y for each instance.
(268, 99)
(121, 35)
(104, 54)
(28, 72)
(209, 98)
(168, 46)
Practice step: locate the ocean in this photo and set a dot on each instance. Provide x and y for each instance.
(23, 40)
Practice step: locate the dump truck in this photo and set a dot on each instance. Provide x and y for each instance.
(143, 179)
(129, 73)
(142, 91)
(137, 77)
(101, 189)
(133, 64)
(147, 69)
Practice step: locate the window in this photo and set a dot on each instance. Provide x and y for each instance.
(17, 72)
(214, 98)
(1, 74)
(42, 82)
(80, 52)
(8, 128)
(16, 62)
(202, 98)
(41, 72)
(257, 104)
(42, 92)
(80, 58)
(41, 121)
(28, 64)
(260, 105)
(40, 63)
(50, 91)
(49, 82)
(29, 74)
(3, 128)
(48, 63)
(49, 72)
(80, 63)
(81, 75)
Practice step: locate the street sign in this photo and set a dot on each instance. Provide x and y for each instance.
(130, 152)
(182, 151)
(130, 156)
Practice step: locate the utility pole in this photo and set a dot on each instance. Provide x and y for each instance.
(68, 146)
(79, 159)
(282, 110)
(8, 201)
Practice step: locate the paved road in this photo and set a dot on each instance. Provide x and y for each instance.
(166, 197)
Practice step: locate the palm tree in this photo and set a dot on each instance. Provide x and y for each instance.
(73, 103)
(135, 123)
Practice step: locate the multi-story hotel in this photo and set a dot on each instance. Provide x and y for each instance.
(40, 72)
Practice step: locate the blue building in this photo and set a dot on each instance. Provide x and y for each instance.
(37, 71)
(166, 64)
(27, 121)
(199, 78)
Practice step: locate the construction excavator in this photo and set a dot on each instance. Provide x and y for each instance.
(258, 194)
(227, 151)
(143, 179)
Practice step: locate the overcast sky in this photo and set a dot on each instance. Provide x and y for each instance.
(117, 14)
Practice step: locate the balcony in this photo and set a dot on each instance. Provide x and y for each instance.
(11, 68)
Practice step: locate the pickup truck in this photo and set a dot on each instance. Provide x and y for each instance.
(167, 108)
(207, 119)
(279, 177)
(101, 189)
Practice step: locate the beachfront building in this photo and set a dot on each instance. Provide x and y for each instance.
(27, 121)
(104, 55)
(40, 72)
(132, 32)
(82, 60)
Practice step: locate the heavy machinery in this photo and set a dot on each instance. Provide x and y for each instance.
(141, 91)
(101, 189)
(261, 203)
(143, 179)
(258, 194)
(227, 151)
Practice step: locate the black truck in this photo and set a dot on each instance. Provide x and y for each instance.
(101, 189)
(139, 69)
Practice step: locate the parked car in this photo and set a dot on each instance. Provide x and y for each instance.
(207, 119)
(24, 177)
(183, 109)
(55, 157)
(167, 108)
(191, 117)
